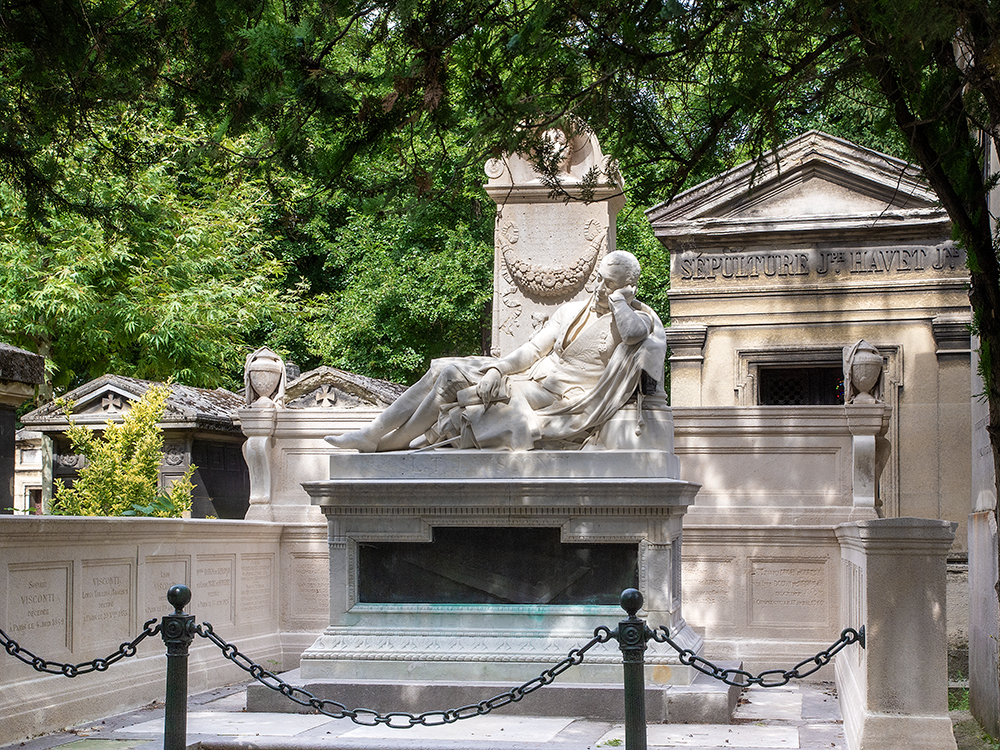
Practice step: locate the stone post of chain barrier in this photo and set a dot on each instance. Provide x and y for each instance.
(178, 632)
(632, 641)
(894, 692)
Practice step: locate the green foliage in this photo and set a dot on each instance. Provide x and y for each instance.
(170, 282)
(183, 182)
(408, 291)
(121, 477)
(635, 234)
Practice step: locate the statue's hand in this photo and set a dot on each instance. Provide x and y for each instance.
(624, 294)
(490, 387)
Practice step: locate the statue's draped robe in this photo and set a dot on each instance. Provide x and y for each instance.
(581, 365)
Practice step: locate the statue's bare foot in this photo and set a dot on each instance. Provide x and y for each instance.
(356, 440)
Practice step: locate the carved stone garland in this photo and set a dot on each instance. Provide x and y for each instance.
(552, 281)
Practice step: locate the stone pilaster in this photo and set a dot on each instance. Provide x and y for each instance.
(894, 692)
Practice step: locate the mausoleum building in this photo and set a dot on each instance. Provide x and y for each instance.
(779, 266)
(199, 427)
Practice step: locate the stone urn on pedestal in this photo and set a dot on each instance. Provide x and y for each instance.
(868, 419)
(862, 374)
(265, 379)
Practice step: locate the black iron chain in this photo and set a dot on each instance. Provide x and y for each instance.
(768, 678)
(399, 719)
(72, 670)
(404, 720)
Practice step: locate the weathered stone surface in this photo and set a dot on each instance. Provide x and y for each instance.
(547, 248)
(21, 366)
(330, 388)
(72, 589)
(107, 396)
(450, 642)
(984, 621)
(894, 572)
(704, 701)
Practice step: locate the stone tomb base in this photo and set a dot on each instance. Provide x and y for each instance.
(454, 573)
(704, 701)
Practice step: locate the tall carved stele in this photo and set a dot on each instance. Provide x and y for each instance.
(548, 244)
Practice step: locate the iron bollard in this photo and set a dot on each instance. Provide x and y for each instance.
(632, 641)
(178, 632)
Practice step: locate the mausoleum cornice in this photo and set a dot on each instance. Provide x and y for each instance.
(726, 232)
(901, 286)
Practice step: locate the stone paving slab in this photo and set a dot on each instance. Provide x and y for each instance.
(800, 717)
(232, 725)
(711, 735)
(775, 703)
(521, 729)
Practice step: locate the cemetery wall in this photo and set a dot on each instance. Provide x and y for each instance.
(74, 589)
(761, 559)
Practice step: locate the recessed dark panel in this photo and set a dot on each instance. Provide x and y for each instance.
(495, 566)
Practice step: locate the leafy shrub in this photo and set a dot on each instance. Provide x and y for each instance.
(121, 477)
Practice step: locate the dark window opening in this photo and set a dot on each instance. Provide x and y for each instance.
(800, 386)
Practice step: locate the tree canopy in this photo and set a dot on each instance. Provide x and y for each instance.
(197, 179)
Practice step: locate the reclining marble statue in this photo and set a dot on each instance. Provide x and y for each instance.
(555, 392)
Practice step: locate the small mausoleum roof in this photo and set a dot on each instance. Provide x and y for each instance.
(330, 387)
(108, 396)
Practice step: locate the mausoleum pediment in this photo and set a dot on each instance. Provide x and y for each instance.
(105, 402)
(813, 183)
(811, 191)
(330, 388)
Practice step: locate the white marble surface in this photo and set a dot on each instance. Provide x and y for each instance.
(226, 724)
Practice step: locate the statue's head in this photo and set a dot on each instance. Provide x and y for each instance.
(621, 268)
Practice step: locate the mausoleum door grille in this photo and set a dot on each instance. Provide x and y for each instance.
(800, 386)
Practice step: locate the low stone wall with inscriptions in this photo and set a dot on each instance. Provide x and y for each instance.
(767, 596)
(73, 589)
(761, 569)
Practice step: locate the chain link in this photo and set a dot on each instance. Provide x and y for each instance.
(399, 719)
(768, 678)
(404, 720)
(72, 670)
